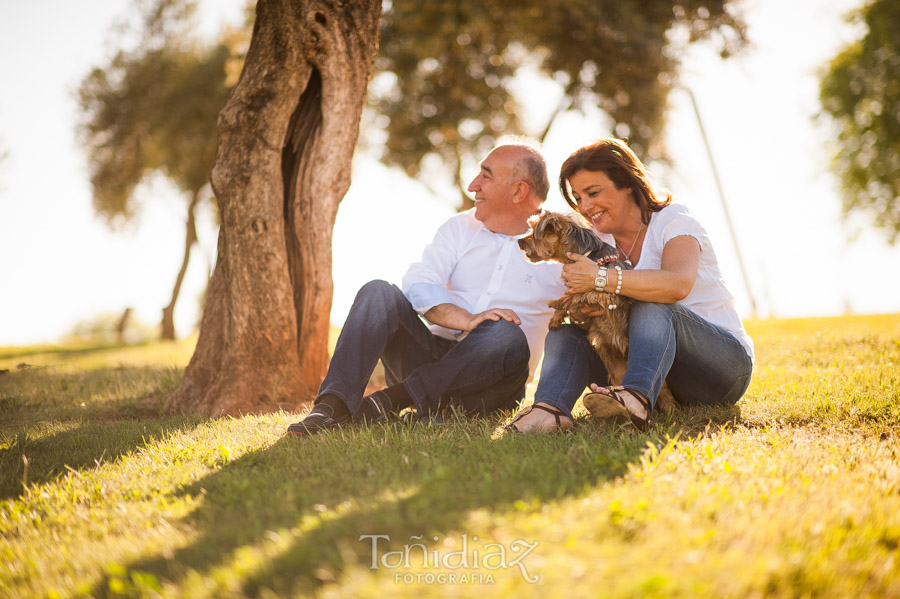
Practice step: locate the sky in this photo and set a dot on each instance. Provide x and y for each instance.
(62, 265)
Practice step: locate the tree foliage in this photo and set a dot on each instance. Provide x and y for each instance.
(447, 67)
(861, 92)
(153, 109)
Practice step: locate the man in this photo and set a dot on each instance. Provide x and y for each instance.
(486, 306)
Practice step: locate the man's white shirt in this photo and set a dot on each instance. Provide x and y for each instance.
(476, 269)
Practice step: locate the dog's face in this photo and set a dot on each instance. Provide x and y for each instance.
(553, 234)
(545, 240)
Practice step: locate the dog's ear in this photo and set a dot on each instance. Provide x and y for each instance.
(535, 218)
(546, 224)
(582, 239)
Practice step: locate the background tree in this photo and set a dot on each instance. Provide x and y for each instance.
(153, 109)
(286, 139)
(447, 68)
(860, 90)
(109, 329)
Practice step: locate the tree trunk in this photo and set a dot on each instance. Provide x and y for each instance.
(286, 139)
(465, 202)
(168, 319)
(564, 104)
(122, 326)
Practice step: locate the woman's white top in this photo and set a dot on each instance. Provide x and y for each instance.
(709, 298)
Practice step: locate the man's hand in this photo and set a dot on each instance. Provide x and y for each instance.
(453, 317)
(494, 314)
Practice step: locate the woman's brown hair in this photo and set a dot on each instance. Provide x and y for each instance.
(618, 162)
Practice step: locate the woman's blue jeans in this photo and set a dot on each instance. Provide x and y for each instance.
(701, 362)
(485, 371)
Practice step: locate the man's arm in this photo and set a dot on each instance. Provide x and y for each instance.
(425, 282)
(452, 316)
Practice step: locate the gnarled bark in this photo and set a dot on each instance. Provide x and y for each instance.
(286, 139)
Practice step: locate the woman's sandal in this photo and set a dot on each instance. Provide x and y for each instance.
(510, 427)
(597, 404)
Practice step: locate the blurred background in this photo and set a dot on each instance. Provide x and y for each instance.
(811, 235)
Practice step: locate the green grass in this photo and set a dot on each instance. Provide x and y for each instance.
(795, 492)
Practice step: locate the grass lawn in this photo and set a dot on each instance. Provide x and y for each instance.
(795, 492)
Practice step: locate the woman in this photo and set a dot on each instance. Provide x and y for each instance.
(683, 328)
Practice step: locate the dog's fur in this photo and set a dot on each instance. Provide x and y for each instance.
(552, 236)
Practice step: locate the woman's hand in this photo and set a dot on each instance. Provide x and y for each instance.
(580, 274)
(671, 283)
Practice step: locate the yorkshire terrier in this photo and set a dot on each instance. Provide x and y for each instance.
(552, 236)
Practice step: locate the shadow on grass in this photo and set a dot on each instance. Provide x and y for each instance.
(86, 445)
(693, 420)
(32, 397)
(59, 420)
(289, 518)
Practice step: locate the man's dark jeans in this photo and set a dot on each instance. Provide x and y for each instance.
(485, 371)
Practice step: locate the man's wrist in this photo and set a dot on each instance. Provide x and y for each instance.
(449, 316)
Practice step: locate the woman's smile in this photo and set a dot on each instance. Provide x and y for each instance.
(600, 201)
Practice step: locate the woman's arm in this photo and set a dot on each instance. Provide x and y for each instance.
(672, 282)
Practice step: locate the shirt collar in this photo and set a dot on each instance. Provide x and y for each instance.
(504, 235)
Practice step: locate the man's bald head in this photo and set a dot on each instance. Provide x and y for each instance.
(529, 165)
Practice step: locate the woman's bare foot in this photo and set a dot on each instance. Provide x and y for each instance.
(540, 418)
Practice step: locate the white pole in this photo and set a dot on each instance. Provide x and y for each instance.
(712, 164)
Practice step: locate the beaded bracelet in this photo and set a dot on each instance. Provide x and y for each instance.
(618, 285)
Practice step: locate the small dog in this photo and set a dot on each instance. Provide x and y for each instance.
(552, 236)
